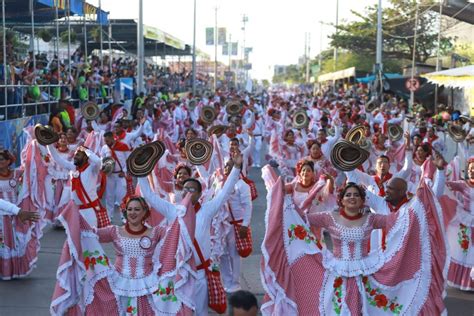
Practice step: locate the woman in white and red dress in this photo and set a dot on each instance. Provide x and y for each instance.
(290, 153)
(459, 216)
(58, 188)
(300, 278)
(19, 241)
(152, 274)
(321, 164)
(420, 154)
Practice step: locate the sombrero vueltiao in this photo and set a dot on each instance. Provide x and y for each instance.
(347, 156)
(395, 132)
(217, 129)
(208, 114)
(300, 119)
(90, 111)
(233, 107)
(108, 165)
(370, 106)
(144, 158)
(356, 134)
(457, 133)
(198, 151)
(45, 135)
(192, 104)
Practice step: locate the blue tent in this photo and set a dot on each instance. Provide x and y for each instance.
(371, 78)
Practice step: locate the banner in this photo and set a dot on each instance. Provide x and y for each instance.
(209, 36)
(12, 136)
(225, 49)
(89, 9)
(221, 35)
(235, 48)
(76, 7)
(102, 17)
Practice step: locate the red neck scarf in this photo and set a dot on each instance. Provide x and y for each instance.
(76, 185)
(432, 138)
(380, 182)
(397, 207)
(197, 207)
(121, 135)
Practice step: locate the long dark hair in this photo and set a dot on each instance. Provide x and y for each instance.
(349, 185)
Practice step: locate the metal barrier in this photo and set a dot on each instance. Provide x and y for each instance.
(15, 99)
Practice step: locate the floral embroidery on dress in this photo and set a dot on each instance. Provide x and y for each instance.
(2, 243)
(337, 297)
(167, 294)
(91, 259)
(378, 299)
(302, 233)
(463, 237)
(131, 310)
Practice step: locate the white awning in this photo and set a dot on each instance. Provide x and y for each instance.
(341, 74)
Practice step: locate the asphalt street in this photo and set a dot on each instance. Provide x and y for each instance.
(32, 295)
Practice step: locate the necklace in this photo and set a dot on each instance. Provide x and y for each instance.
(7, 174)
(307, 185)
(136, 233)
(343, 213)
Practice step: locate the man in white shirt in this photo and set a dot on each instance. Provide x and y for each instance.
(239, 209)
(116, 185)
(204, 215)
(84, 171)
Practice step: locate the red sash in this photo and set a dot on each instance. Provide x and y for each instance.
(380, 182)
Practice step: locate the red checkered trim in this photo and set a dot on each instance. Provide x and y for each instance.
(216, 293)
(103, 219)
(244, 245)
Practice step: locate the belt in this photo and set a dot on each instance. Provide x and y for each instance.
(237, 222)
(93, 204)
(204, 265)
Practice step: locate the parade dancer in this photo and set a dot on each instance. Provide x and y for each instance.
(204, 215)
(84, 172)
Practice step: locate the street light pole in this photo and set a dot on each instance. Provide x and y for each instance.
(215, 51)
(140, 48)
(194, 51)
(378, 54)
(320, 60)
(438, 52)
(412, 93)
(337, 29)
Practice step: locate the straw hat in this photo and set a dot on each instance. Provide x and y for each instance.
(90, 111)
(395, 132)
(108, 165)
(217, 129)
(143, 159)
(356, 134)
(45, 135)
(347, 156)
(300, 119)
(233, 107)
(208, 114)
(457, 133)
(198, 151)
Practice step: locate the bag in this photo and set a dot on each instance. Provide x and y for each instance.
(244, 245)
(216, 293)
(217, 300)
(251, 184)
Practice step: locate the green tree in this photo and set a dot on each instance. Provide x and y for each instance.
(398, 32)
(292, 75)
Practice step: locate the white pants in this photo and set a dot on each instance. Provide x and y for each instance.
(230, 263)
(115, 191)
(256, 153)
(200, 294)
(89, 215)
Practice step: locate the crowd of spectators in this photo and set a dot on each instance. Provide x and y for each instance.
(36, 80)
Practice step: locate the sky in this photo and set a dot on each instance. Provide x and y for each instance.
(275, 29)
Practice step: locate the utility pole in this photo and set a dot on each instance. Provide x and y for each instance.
(438, 53)
(412, 93)
(337, 31)
(308, 46)
(102, 38)
(229, 51)
(140, 48)
(320, 59)
(215, 49)
(194, 52)
(378, 54)
(245, 19)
